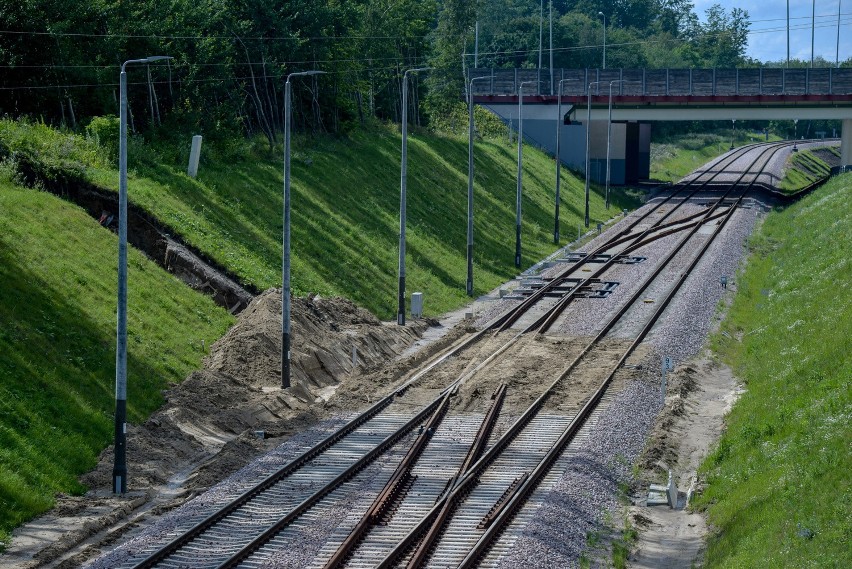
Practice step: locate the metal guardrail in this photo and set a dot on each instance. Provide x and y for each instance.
(668, 82)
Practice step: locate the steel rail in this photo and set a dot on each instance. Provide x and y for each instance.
(293, 514)
(506, 320)
(463, 485)
(212, 519)
(383, 501)
(384, 498)
(475, 451)
(547, 320)
(525, 489)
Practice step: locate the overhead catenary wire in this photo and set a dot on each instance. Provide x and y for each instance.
(191, 81)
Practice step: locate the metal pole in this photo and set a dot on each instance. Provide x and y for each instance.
(518, 193)
(285, 254)
(119, 471)
(813, 25)
(470, 135)
(588, 163)
(837, 49)
(285, 265)
(733, 131)
(788, 34)
(551, 46)
(604, 38)
(608, 143)
(558, 161)
(400, 311)
(540, 33)
(476, 46)
(403, 180)
(470, 173)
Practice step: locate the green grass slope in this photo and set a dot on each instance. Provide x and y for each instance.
(804, 168)
(345, 208)
(673, 157)
(57, 372)
(779, 482)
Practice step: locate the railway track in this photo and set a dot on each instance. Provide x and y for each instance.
(271, 515)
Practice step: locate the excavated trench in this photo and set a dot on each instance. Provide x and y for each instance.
(144, 232)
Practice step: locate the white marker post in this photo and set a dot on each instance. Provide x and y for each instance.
(194, 156)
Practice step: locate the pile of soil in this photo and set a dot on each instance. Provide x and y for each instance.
(238, 391)
(225, 414)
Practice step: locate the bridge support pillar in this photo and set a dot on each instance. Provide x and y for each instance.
(846, 144)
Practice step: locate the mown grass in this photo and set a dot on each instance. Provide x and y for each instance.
(345, 209)
(803, 169)
(778, 488)
(58, 284)
(675, 156)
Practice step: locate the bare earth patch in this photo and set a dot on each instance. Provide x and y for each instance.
(700, 393)
(209, 426)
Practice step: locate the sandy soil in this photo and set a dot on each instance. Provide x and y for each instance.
(224, 415)
(701, 393)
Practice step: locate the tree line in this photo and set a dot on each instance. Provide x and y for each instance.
(61, 59)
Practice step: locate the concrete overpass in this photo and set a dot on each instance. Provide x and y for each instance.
(640, 96)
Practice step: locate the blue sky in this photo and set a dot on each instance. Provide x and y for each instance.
(768, 40)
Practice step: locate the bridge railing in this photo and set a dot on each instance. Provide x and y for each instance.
(667, 82)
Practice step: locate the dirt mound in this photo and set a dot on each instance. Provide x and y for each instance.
(238, 392)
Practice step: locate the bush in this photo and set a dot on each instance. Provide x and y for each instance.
(105, 133)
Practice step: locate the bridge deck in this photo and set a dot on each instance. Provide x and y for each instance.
(813, 84)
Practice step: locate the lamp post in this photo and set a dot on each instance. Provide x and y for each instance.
(550, 17)
(733, 131)
(540, 34)
(119, 470)
(602, 15)
(609, 136)
(520, 154)
(813, 26)
(470, 135)
(558, 159)
(403, 180)
(588, 162)
(837, 48)
(285, 271)
(795, 134)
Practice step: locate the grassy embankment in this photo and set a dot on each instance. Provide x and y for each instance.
(778, 483)
(805, 168)
(345, 204)
(674, 157)
(57, 281)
